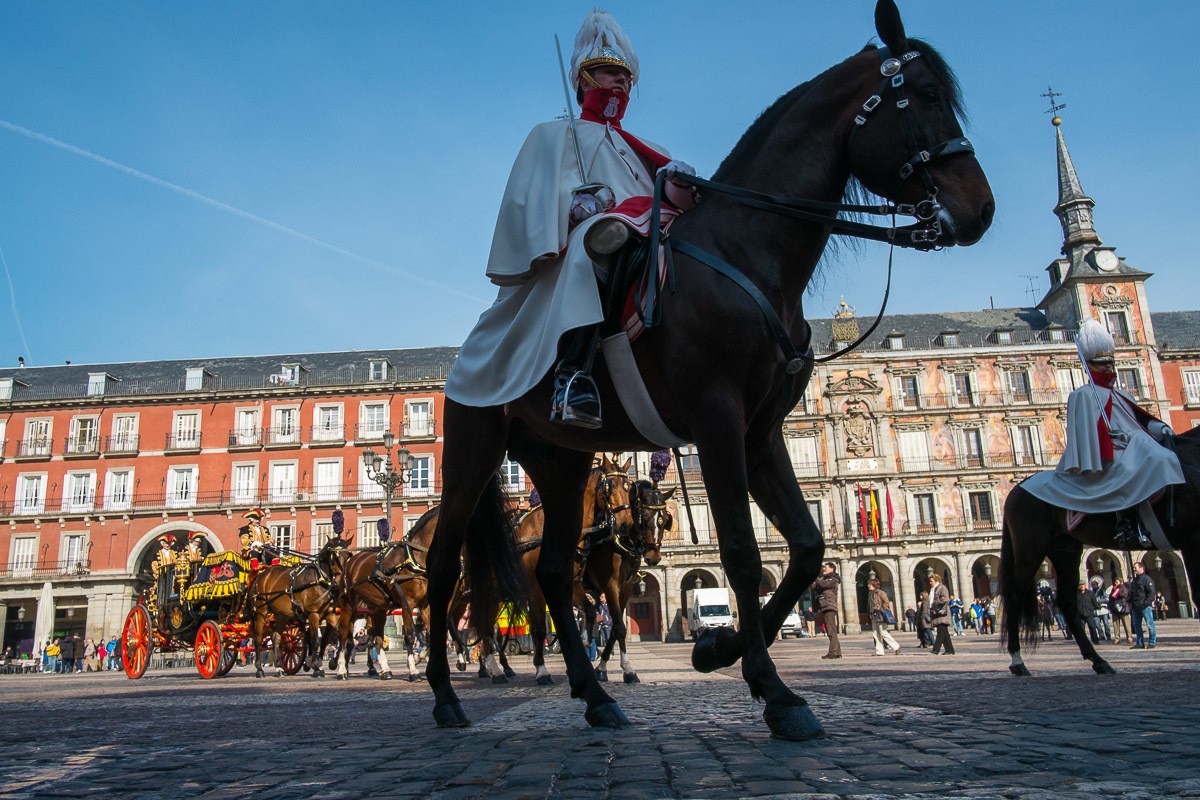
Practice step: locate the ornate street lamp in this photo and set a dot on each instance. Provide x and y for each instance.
(391, 476)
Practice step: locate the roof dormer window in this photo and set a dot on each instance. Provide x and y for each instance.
(195, 379)
(378, 370)
(894, 341)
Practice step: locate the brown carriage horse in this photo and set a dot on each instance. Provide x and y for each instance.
(608, 526)
(379, 581)
(730, 357)
(1035, 530)
(306, 594)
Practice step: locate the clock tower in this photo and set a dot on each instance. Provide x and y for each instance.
(1089, 280)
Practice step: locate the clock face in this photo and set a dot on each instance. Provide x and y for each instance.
(1106, 260)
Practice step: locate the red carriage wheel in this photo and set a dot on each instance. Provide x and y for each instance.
(291, 649)
(229, 657)
(209, 649)
(136, 642)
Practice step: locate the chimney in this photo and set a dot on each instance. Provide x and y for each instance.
(21, 362)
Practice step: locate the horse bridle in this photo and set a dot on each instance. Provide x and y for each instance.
(923, 235)
(637, 547)
(607, 512)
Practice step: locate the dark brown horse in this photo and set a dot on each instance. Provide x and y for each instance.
(608, 526)
(730, 356)
(379, 581)
(1035, 530)
(306, 594)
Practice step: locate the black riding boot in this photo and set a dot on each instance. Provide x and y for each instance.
(576, 399)
(1130, 535)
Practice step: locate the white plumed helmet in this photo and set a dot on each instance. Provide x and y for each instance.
(601, 40)
(1095, 343)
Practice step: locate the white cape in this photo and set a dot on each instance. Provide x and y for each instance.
(547, 282)
(1081, 483)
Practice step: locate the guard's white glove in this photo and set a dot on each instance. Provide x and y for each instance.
(676, 167)
(584, 205)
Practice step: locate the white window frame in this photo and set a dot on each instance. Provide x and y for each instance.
(39, 436)
(79, 491)
(21, 498)
(96, 383)
(1137, 374)
(917, 520)
(322, 491)
(1035, 457)
(333, 432)
(124, 441)
(72, 540)
(913, 450)
(238, 492)
(1127, 333)
(422, 486)
(1010, 380)
(182, 499)
(972, 397)
(193, 380)
(178, 437)
(512, 475)
(283, 535)
(805, 455)
(363, 408)
(22, 556)
(112, 503)
(92, 445)
(1191, 387)
(417, 426)
(247, 426)
(991, 496)
(6, 388)
(965, 436)
(279, 491)
(285, 424)
(368, 532)
(378, 369)
(1068, 379)
(902, 394)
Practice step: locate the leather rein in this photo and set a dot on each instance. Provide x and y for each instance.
(923, 235)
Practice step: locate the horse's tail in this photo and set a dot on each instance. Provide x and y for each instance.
(1020, 608)
(492, 565)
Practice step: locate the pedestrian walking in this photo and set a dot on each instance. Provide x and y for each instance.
(1118, 604)
(956, 612)
(924, 635)
(1141, 604)
(826, 586)
(1045, 617)
(1085, 608)
(53, 653)
(1160, 606)
(1103, 627)
(66, 651)
(939, 615)
(883, 617)
(89, 656)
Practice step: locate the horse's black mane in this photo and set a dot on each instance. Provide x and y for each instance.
(755, 136)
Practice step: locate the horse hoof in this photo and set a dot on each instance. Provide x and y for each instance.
(499, 679)
(387, 676)
(716, 648)
(793, 723)
(602, 675)
(318, 673)
(278, 673)
(545, 680)
(607, 715)
(1019, 670)
(450, 715)
(462, 667)
(342, 677)
(631, 677)
(1102, 667)
(333, 664)
(509, 673)
(412, 678)
(258, 673)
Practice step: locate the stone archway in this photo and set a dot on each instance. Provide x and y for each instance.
(1103, 564)
(141, 555)
(869, 570)
(693, 579)
(926, 567)
(644, 613)
(1167, 572)
(768, 583)
(985, 578)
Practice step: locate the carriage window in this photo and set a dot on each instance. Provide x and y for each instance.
(981, 511)
(926, 513)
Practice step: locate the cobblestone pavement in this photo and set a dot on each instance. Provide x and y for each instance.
(911, 726)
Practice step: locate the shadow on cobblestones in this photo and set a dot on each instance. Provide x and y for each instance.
(913, 726)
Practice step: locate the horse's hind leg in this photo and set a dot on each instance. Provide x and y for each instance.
(1065, 554)
(1029, 527)
(260, 629)
(561, 479)
(475, 444)
(723, 460)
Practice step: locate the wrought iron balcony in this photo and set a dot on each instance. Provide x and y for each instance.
(369, 432)
(249, 438)
(286, 436)
(183, 441)
(68, 568)
(82, 446)
(420, 428)
(39, 447)
(327, 434)
(121, 444)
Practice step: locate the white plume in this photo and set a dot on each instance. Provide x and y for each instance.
(1094, 340)
(599, 32)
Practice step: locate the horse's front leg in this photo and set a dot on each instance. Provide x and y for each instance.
(773, 486)
(260, 633)
(620, 632)
(561, 481)
(312, 659)
(722, 459)
(378, 620)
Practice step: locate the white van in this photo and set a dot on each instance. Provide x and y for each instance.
(710, 609)
(793, 625)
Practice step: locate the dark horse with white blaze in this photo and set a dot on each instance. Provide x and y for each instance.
(1035, 530)
(716, 366)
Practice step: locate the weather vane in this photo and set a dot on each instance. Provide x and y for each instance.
(1050, 94)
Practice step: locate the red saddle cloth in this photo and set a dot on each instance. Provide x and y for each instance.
(636, 213)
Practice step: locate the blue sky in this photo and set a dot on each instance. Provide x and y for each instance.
(228, 178)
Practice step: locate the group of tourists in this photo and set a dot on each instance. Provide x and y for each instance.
(64, 655)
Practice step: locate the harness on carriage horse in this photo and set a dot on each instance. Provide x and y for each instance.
(1113, 461)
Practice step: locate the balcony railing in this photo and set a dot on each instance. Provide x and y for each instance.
(245, 437)
(283, 436)
(979, 400)
(327, 434)
(183, 441)
(82, 446)
(120, 444)
(34, 448)
(419, 428)
(369, 433)
(69, 568)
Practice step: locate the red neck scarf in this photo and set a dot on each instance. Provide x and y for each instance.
(607, 106)
(1105, 379)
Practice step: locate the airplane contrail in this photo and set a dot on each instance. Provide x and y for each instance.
(210, 201)
(12, 299)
